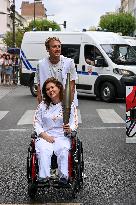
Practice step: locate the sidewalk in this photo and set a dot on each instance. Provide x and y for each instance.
(4, 90)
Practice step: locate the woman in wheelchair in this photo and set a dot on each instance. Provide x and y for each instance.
(48, 124)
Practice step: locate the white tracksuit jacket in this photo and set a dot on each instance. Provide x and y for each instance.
(51, 121)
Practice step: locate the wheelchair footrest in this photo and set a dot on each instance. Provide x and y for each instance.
(52, 183)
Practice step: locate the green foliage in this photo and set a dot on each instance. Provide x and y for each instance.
(8, 39)
(40, 25)
(122, 22)
(43, 25)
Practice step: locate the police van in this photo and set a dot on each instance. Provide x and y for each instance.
(104, 61)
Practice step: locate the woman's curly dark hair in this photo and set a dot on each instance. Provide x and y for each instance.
(47, 100)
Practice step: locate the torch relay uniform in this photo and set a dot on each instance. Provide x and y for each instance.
(51, 121)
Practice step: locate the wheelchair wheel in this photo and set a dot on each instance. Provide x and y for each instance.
(29, 166)
(32, 171)
(80, 168)
(32, 189)
(32, 166)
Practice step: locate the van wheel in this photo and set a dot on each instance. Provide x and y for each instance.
(33, 89)
(107, 92)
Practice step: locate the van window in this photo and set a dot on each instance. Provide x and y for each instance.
(91, 53)
(71, 51)
(120, 54)
(134, 47)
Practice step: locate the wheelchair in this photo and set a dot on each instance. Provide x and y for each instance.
(75, 168)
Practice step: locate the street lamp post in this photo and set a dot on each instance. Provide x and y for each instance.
(12, 15)
(13, 23)
(34, 13)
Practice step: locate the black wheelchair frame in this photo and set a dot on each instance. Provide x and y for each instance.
(75, 167)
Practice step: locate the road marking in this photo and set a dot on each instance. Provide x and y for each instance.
(131, 139)
(101, 128)
(2, 114)
(27, 118)
(16, 130)
(79, 116)
(50, 204)
(106, 115)
(109, 116)
(85, 128)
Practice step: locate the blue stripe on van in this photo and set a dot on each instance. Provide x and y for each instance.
(26, 62)
(86, 73)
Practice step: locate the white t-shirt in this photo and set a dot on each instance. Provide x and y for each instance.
(45, 70)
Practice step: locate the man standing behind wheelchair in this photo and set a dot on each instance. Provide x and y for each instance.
(48, 124)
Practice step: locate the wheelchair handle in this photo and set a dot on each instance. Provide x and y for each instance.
(71, 135)
(34, 135)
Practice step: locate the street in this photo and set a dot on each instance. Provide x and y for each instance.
(109, 161)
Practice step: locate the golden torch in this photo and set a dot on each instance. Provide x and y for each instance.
(67, 101)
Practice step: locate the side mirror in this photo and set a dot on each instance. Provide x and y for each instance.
(100, 62)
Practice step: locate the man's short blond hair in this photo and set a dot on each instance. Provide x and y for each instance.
(47, 42)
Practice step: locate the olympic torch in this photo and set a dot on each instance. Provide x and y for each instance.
(67, 101)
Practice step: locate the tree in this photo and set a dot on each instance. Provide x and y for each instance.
(41, 25)
(122, 22)
(8, 38)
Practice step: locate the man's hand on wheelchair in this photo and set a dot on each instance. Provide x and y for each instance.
(46, 137)
(67, 129)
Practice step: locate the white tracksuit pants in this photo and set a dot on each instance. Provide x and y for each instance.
(44, 151)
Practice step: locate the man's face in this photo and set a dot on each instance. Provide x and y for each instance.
(54, 48)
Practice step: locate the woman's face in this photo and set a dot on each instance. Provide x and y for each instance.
(52, 91)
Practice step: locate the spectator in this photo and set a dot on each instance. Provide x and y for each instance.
(2, 60)
(1, 64)
(15, 69)
(8, 69)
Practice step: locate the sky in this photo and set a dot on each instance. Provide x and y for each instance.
(79, 14)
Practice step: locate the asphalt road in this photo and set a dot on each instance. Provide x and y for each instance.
(109, 161)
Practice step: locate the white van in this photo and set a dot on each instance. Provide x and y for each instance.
(114, 60)
(131, 41)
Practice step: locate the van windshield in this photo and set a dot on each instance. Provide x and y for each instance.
(120, 54)
(134, 47)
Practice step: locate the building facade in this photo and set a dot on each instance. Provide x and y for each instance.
(20, 21)
(124, 5)
(129, 6)
(33, 10)
(5, 20)
(6, 23)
